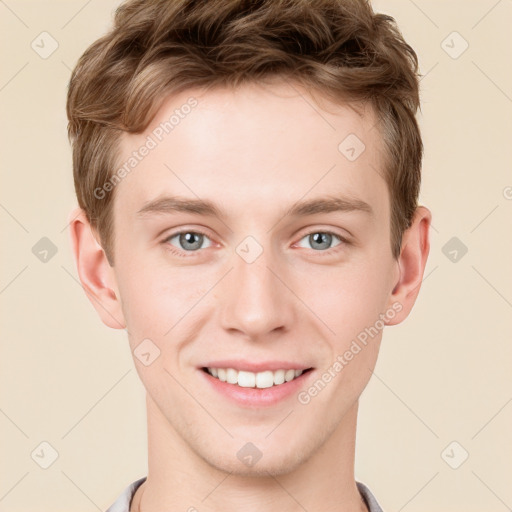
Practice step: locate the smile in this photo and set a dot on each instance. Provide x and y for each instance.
(245, 379)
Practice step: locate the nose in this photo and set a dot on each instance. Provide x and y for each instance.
(254, 300)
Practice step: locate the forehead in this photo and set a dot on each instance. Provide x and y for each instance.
(271, 143)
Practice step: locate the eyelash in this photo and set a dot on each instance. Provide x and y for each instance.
(179, 253)
(176, 251)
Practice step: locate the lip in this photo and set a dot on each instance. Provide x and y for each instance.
(251, 366)
(255, 397)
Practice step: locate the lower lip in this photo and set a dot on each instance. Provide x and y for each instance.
(256, 397)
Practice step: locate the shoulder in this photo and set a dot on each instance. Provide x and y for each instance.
(369, 498)
(122, 503)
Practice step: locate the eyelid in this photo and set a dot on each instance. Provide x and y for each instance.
(183, 231)
(346, 238)
(199, 230)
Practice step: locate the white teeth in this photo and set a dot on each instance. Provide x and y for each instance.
(279, 377)
(265, 379)
(245, 379)
(231, 376)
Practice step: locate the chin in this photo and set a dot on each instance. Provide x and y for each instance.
(273, 464)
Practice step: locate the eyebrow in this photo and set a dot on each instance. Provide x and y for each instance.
(328, 204)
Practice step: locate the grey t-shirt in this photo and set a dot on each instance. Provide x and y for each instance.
(122, 504)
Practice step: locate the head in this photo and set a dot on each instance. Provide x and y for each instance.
(245, 114)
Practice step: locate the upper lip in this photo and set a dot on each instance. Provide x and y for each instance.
(255, 367)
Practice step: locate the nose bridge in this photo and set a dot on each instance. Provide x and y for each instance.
(255, 301)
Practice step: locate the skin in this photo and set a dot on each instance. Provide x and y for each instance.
(254, 152)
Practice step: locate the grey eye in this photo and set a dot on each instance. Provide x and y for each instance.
(321, 240)
(188, 240)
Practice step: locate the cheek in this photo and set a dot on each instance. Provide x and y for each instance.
(156, 297)
(347, 298)
(157, 306)
(349, 302)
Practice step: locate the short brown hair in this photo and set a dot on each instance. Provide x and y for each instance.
(339, 48)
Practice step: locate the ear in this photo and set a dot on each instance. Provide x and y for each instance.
(412, 261)
(95, 273)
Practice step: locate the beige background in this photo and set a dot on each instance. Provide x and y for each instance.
(442, 376)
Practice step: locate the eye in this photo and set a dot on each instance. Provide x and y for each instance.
(321, 240)
(188, 241)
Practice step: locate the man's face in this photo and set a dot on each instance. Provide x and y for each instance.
(259, 285)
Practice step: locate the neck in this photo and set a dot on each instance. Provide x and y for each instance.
(181, 478)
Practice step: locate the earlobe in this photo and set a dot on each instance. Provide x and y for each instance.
(412, 262)
(95, 273)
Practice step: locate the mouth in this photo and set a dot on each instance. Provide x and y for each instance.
(256, 390)
(260, 380)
